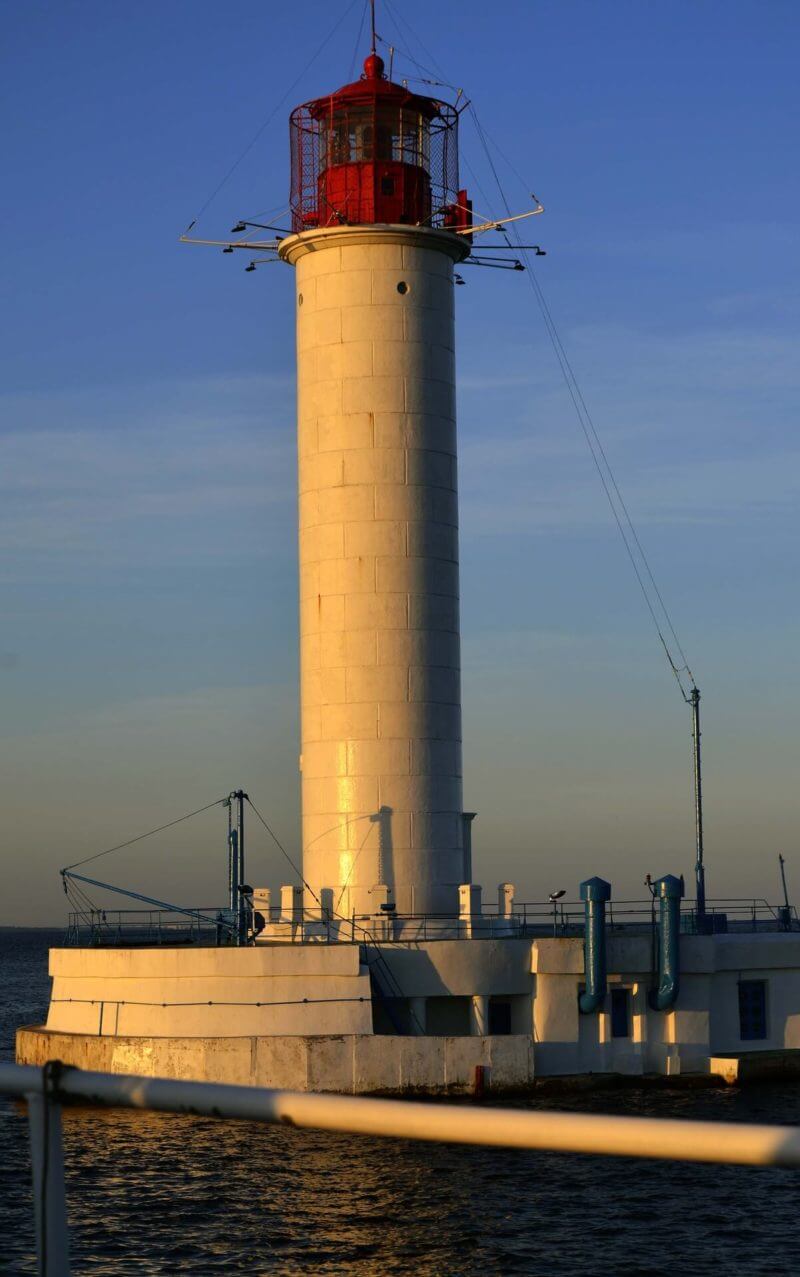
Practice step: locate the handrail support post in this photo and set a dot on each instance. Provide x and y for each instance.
(47, 1166)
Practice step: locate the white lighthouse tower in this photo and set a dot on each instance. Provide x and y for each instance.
(378, 221)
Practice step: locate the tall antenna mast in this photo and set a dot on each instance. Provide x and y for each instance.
(372, 18)
(699, 869)
(783, 881)
(236, 864)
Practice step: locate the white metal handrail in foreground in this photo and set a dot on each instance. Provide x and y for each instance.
(44, 1089)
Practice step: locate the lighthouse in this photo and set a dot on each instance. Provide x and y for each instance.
(379, 222)
(386, 971)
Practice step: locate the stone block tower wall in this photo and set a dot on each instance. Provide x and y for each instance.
(379, 611)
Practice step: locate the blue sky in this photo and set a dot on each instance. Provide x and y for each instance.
(148, 602)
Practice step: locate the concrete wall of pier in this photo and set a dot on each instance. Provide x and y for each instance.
(296, 1010)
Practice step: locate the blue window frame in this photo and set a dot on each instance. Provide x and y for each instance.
(752, 1010)
(620, 1013)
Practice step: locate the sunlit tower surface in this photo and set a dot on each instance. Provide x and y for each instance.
(379, 222)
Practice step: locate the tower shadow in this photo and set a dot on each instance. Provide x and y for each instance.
(383, 819)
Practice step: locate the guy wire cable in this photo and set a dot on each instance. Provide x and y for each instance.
(139, 837)
(591, 435)
(262, 127)
(283, 850)
(354, 58)
(596, 449)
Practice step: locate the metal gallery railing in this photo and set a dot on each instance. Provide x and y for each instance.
(149, 927)
(92, 928)
(46, 1090)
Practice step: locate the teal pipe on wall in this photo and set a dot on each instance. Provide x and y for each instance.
(594, 893)
(669, 891)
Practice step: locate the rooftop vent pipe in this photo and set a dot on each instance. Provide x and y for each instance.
(594, 893)
(669, 891)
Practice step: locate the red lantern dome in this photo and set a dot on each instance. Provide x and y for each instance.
(374, 152)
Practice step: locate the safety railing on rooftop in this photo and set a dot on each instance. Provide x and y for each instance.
(46, 1090)
(114, 927)
(150, 927)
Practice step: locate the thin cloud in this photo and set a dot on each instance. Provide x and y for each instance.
(698, 428)
(174, 475)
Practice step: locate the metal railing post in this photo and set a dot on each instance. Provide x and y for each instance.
(47, 1165)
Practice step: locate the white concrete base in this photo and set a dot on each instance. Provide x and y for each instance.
(421, 1016)
(354, 1064)
(313, 989)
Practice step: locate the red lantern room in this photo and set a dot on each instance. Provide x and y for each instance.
(374, 152)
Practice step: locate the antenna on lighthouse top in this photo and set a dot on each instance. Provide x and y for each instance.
(372, 20)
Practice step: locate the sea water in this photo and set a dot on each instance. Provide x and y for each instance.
(159, 1194)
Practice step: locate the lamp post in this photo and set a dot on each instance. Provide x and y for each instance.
(554, 898)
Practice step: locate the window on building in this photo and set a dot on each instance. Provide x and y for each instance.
(620, 1013)
(499, 1015)
(447, 1017)
(752, 1010)
(391, 1015)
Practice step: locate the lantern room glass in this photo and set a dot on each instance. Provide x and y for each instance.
(359, 134)
(374, 153)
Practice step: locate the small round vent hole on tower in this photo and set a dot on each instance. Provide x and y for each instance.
(402, 287)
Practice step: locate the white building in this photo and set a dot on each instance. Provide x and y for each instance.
(307, 1015)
